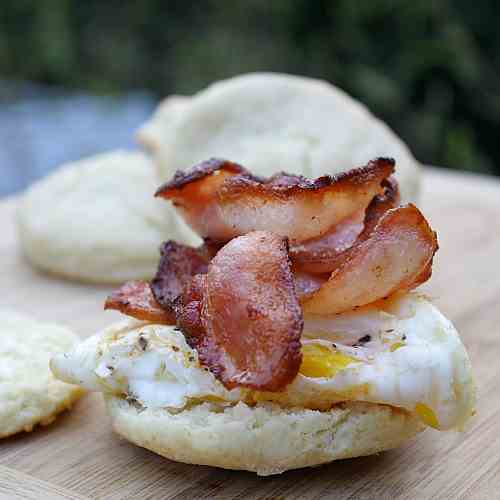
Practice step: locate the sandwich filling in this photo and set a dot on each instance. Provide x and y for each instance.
(301, 295)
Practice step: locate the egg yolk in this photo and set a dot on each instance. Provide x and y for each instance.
(396, 346)
(320, 361)
(427, 415)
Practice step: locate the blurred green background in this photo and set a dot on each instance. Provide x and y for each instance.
(430, 69)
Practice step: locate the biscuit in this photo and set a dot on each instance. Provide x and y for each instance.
(266, 439)
(150, 135)
(273, 122)
(29, 392)
(96, 220)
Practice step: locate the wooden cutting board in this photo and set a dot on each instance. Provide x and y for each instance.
(79, 457)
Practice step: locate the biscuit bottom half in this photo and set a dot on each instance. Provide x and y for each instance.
(266, 438)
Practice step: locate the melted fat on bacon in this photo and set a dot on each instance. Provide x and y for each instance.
(250, 321)
(396, 256)
(136, 299)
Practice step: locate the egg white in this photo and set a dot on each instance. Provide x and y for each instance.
(413, 357)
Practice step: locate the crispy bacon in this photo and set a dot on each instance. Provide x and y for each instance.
(178, 264)
(319, 255)
(201, 172)
(190, 313)
(283, 179)
(194, 195)
(238, 304)
(396, 256)
(251, 321)
(136, 299)
(222, 200)
(300, 208)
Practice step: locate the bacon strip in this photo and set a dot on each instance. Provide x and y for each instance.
(395, 256)
(178, 264)
(136, 299)
(210, 248)
(284, 179)
(306, 283)
(319, 255)
(297, 207)
(190, 317)
(250, 321)
(377, 208)
(194, 195)
(221, 200)
(316, 255)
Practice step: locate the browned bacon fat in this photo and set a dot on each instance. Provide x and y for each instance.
(194, 195)
(178, 264)
(251, 321)
(136, 299)
(395, 256)
(221, 200)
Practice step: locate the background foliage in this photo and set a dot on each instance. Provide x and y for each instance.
(431, 69)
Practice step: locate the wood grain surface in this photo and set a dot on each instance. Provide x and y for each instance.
(79, 457)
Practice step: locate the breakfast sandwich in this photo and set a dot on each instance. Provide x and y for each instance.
(293, 336)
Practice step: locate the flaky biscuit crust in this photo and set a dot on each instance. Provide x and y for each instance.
(266, 438)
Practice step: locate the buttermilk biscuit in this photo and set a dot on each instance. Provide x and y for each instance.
(274, 122)
(96, 220)
(150, 135)
(29, 392)
(266, 439)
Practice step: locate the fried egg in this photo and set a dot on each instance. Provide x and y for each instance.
(403, 353)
